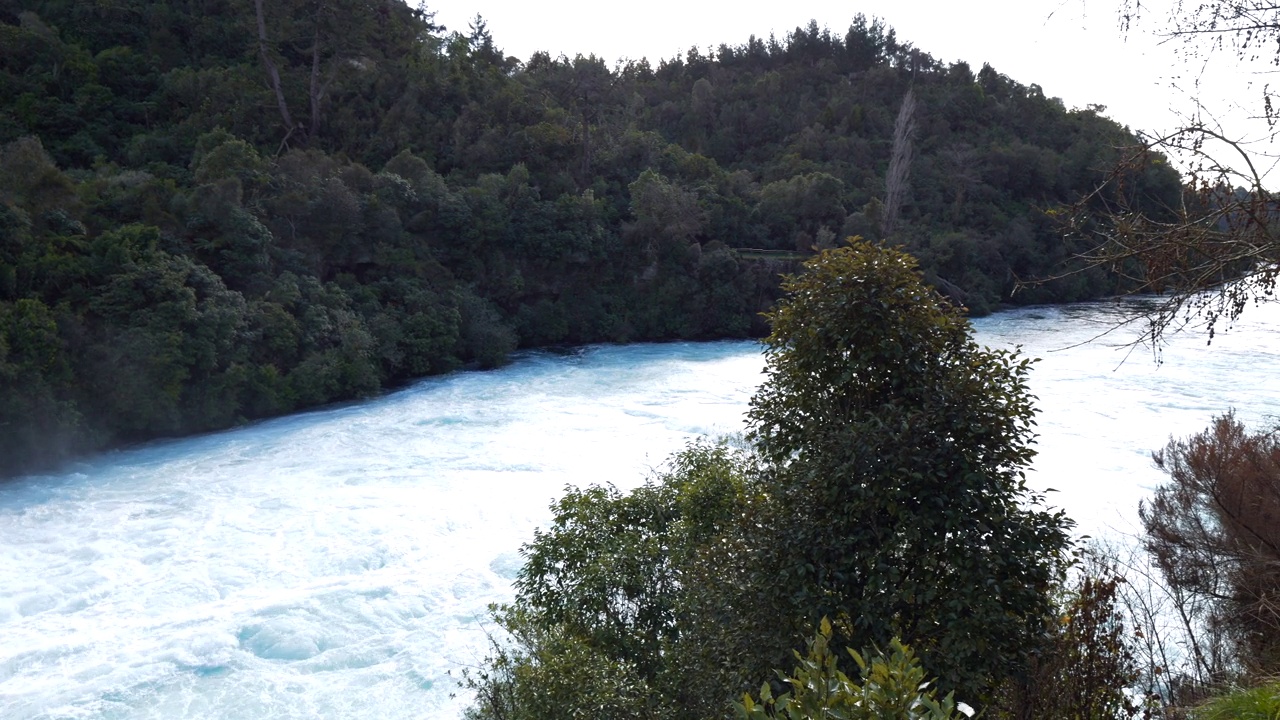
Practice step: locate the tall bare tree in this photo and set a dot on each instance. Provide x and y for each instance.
(312, 44)
(273, 70)
(895, 185)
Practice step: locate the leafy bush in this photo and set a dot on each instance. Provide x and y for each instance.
(892, 688)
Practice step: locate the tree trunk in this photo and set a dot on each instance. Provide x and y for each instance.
(316, 92)
(586, 150)
(318, 86)
(273, 72)
(895, 185)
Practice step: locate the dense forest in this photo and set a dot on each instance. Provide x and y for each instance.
(219, 210)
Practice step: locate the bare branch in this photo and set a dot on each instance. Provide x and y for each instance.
(1208, 259)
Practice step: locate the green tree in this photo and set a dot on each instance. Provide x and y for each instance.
(325, 41)
(30, 180)
(665, 214)
(903, 444)
(800, 210)
(596, 624)
(37, 423)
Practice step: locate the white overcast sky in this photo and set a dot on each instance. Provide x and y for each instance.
(1073, 49)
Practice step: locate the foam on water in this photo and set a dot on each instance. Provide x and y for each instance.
(337, 564)
(332, 564)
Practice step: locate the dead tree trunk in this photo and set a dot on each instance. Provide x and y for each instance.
(318, 87)
(273, 72)
(895, 184)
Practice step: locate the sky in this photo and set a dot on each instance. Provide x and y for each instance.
(1074, 49)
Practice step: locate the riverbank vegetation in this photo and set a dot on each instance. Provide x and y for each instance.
(881, 486)
(218, 211)
(877, 503)
(223, 210)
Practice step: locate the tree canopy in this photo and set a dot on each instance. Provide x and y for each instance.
(334, 197)
(903, 443)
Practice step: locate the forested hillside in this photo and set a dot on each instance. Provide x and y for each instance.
(218, 210)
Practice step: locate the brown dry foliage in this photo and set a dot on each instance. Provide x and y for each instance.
(1209, 259)
(1214, 533)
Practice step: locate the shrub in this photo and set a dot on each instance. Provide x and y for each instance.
(892, 688)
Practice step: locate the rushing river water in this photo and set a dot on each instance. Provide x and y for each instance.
(337, 564)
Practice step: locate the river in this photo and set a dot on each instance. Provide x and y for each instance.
(338, 563)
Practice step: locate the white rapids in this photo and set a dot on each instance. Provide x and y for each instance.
(338, 564)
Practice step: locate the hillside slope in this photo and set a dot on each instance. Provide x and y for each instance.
(218, 210)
